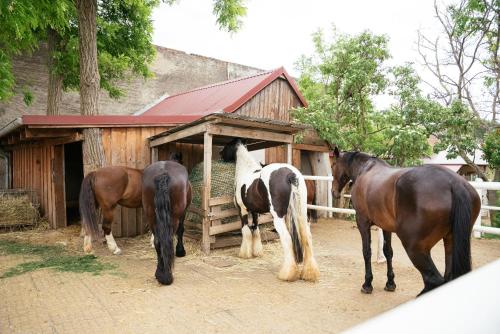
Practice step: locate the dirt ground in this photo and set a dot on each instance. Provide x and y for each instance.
(219, 293)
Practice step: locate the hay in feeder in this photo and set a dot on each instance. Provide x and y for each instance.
(17, 209)
(222, 185)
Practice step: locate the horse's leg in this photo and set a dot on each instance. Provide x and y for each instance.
(310, 271)
(246, 242)
(179, 249)
(289, 270)
(107, 221)
(448, 250)
(390, 285)
(257, 249)
(160, 267)
(87, 244)
(152, 240)
(421, 259)
(364, 230)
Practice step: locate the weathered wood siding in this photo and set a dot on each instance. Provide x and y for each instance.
(128, 147)
(273, 102)
(33, 168)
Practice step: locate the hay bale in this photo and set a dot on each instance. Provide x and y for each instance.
(16, 208)
(222, 184)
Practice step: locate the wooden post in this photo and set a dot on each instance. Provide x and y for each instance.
(289, 154)
(207, 185)
(154, 154)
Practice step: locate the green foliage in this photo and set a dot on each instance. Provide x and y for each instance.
(51, 257)
(491, 149)
(228, 14)
(340, 82)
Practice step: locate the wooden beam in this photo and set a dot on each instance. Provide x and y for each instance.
(207, 186)
(186, 132)
(231, 131)
(224, 214)
(261, 124)
(221, 200)
(236, 225)
(47, 133)
(313, 148)
(289, 154)
(154, 154)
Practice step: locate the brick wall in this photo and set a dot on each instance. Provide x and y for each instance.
(174, 72)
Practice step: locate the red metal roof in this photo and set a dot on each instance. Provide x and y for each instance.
(225, 96)
(105, 120)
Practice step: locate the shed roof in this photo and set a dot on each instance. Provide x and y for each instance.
(225, 96)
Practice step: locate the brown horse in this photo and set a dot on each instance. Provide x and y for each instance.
(105, 188)
(312, 215)
(166, 195)
(422, 205)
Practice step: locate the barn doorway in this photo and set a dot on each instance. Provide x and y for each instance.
(73, 177)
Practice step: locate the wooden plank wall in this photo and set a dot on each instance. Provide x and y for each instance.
(128, 147)
(192, 154)
(32, 169)
(273, 102)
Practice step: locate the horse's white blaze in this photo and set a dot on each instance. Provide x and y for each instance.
(112, 246)
(246, 243)
(152, 240)
(257, 243)
(87, 244)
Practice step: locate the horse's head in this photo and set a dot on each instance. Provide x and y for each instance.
(176, 156)
(340, 172)
(228, 153)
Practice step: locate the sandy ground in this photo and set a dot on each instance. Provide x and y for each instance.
(219, 293)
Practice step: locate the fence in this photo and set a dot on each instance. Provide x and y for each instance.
(478, 228)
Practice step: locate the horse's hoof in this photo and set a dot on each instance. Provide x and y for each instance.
(180, 252)
(390, 287)
(289, 273)
(367, 289)
(87, 249)
(164, 279)
(310, 272)
(117, 251)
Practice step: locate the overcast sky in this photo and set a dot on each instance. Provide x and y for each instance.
(276, 32)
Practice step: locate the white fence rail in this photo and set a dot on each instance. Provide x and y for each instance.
(478, 228)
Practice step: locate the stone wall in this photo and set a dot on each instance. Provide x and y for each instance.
(174, 72)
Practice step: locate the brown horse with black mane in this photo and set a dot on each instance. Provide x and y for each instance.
(422, 205)
(105, 188)
(166, 195)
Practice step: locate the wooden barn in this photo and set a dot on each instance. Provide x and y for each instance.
(256, 108)
(45, 152)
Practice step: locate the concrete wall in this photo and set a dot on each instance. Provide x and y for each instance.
(174, 72)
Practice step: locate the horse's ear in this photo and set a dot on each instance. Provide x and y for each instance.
(336, 152)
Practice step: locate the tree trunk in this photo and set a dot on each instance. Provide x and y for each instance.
(54, 88)
(93, 153)
(471, 163)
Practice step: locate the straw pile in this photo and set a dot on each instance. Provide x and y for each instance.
(16, 209)
(222, 185)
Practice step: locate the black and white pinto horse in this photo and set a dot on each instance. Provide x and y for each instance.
(281, 190)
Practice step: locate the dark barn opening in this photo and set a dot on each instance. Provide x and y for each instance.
(73, 177)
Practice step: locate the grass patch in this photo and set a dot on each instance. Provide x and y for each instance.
(53, 257)
(490, 236)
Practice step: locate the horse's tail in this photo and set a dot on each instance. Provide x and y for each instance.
(460, 220)
(296, 218)
(164, 231)
(88, 206)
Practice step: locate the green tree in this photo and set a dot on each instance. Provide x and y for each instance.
(340, 82)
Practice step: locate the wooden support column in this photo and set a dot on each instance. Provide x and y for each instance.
(289, 154)
(207, 185)
(154, 154)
